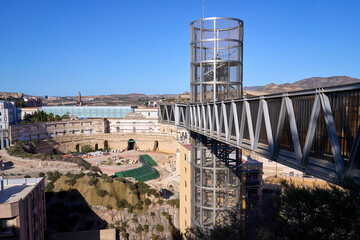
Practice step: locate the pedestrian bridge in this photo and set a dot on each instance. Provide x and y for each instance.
(315, 131)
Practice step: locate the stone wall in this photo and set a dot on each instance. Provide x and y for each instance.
(141, 125)
(42, 130)
(69, 136)
(165, 143)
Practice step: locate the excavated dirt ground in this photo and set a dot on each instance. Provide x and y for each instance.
(16, 167)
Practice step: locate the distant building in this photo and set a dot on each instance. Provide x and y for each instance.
(149, 113)
(79, 102)
(143, 120)
(90, 111)
(22, 208)
(28, 110)
(33, 102)
(152, 104)
(9, 114)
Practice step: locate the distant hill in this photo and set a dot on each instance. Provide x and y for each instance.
(252, 88)
(308, 83)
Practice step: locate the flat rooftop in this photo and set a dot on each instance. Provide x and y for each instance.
(17, 189)
(187, 146)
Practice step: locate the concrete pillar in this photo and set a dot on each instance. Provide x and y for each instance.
(2, 138)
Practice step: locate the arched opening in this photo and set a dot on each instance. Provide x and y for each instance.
(96, 146)
(156, 146)
(77, 147)
(131, 144)
(106, 145)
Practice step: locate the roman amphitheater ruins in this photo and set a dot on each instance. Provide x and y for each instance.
(137, 133)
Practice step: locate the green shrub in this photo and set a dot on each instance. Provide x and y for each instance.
(53, 176)
(71, 181)
(159, 228)
(130, 209)
(122, 203)
(27, 176)
(131, 186)
(152, 214)
(142, 187)
(93, 181)
(101, 193)
(124, 224)
(134, 219)
(153, 192)
(109, 206)
(174, 202)
(124, 235)
(146, 228)
(86, 149)
(147, 201)
(139, 229)
(154, 237)
(160, 201)
(41, 174)
(49, 187)
(121, 179)
(139, 206)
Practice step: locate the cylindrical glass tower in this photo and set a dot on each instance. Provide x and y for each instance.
(216, 59)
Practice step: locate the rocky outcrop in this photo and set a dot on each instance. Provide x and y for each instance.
(132, 221)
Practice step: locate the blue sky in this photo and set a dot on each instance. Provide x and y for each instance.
(60, 47)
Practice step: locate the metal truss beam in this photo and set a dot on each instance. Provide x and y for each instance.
(248, 124)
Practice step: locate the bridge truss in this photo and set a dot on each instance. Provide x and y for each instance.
(315, 131)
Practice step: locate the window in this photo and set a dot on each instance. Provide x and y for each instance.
(185, 156)
(185, 198)
(185, 184)
(185, 223)
(185, 210)
(148, 114)
(185, 171)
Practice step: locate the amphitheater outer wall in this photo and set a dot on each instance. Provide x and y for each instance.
(66, 144)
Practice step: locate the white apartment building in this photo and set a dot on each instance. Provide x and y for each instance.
(9, 114)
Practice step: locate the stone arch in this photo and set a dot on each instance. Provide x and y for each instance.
(106, 144)
(131, 144)
(96, 147)
(156, 146)
(77, 147)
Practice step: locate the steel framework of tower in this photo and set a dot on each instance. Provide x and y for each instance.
(216, 59)
(216, 74)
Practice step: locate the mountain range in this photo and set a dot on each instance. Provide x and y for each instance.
(308, 83)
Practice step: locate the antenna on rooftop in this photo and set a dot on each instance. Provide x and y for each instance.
(203, 8)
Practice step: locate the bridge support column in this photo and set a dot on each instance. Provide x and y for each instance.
(215, 180)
